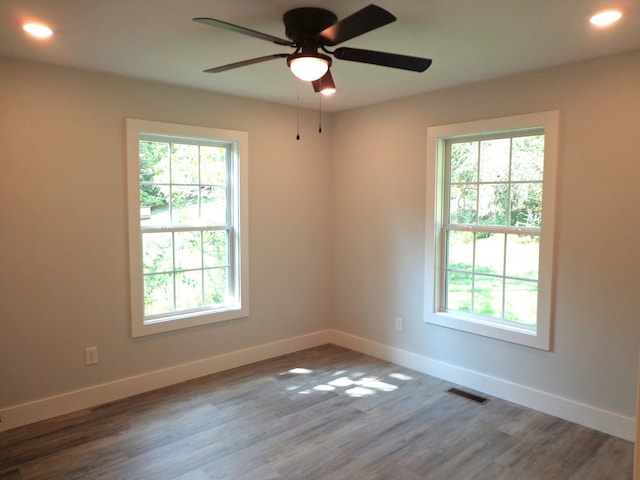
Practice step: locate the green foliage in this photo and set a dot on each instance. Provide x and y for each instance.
(495, 182)
(478, 289)
(463, 175)
(197, 257)
(527, 166)
(154, 164)
(480, 190)
(185, 185)
(482, 295)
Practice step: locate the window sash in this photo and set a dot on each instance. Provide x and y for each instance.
(476, 274)
(230, 153)
(202, 268)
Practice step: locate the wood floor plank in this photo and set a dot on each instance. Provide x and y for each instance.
(610, 461)
(324, 413)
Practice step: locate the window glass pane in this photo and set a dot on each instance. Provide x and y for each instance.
(154, 162)
(526, 205)
(188, 250)
(188, 290)
(213, 170)
(460, 250)
(492, 204)
(464, 162)
(462, 204)
(214, 205)
(489, 253)
(158, 294)
(184, 163)
(215, 248)
(459, 293)
(185, 205)
(522, 256)
(527, 158)
(216, 283)
(487, 298)
(521, 298)
(154, 205)
(494, 160)
(157, 252)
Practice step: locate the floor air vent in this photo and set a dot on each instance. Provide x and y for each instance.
(468, 395)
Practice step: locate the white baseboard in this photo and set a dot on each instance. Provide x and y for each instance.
(50, 407)
(589, 416)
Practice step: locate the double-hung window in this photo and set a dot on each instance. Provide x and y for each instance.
(187, 225)
(494, 184)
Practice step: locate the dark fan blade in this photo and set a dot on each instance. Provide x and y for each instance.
(326, 81)
(243, 63)
(404, 62)
(245, 31)
(363, 21)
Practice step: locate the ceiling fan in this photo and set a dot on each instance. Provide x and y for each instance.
(311, 29)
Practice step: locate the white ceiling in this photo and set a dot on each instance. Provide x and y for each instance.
(468, 40)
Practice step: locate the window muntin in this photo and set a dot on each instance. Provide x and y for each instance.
(188, 225)
(486, 202)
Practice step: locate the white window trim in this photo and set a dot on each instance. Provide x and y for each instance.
(541, 337)
(134, 128)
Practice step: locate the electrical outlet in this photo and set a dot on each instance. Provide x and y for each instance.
(91, 355)
(399, 324)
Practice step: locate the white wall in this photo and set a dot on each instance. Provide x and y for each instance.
(63, 242)
(379, 189)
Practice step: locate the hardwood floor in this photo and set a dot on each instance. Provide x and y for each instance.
(323, 413)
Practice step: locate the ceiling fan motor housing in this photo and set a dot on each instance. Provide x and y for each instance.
(304, 23)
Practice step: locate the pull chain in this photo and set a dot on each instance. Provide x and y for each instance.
(320, 113)
(298, 112)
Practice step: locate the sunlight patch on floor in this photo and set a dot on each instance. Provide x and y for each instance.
(356, 384)
(300, 371)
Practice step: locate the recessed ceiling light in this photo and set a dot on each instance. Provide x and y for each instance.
(37, 30)
(605, 18)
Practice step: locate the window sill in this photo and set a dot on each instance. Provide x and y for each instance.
(520, 335)
(179, 322)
